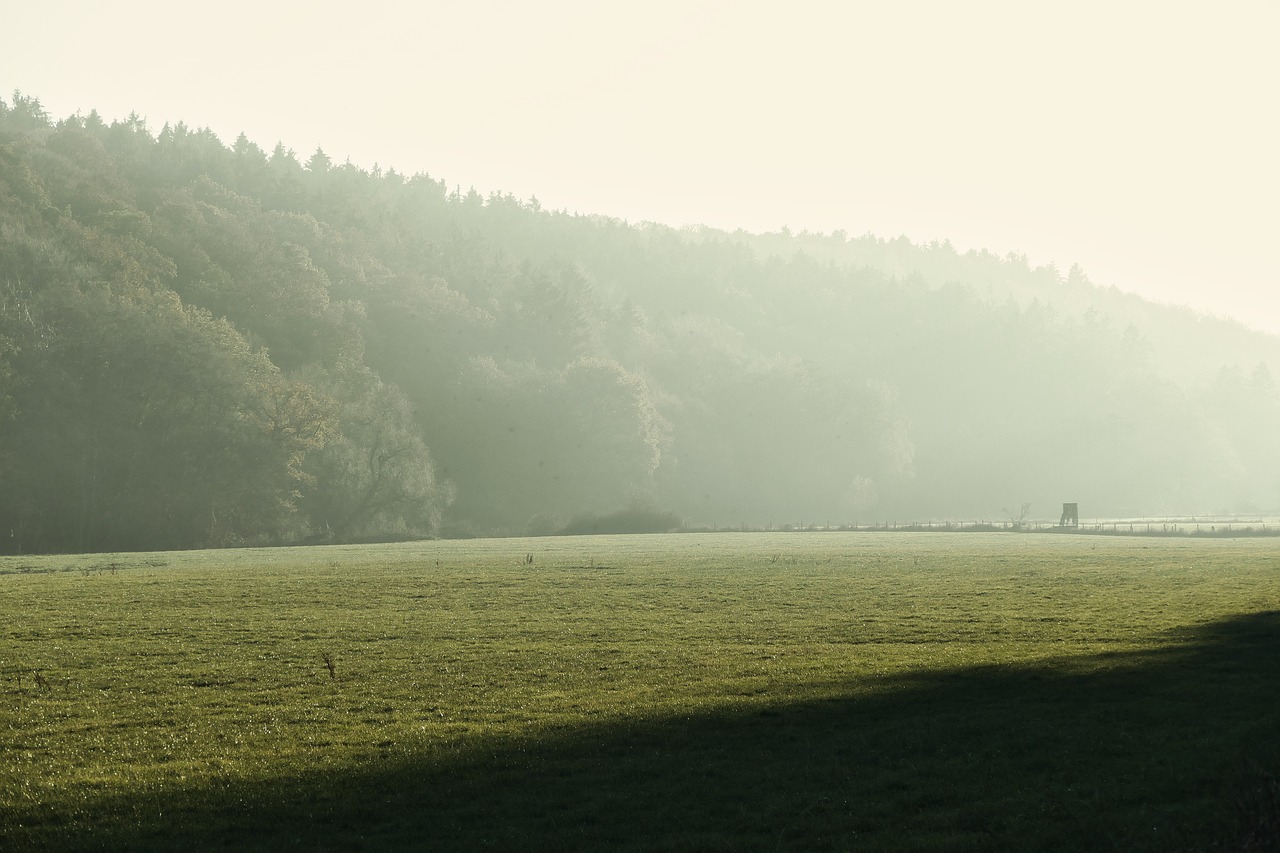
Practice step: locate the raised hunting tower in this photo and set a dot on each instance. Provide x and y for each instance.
(1070, 516)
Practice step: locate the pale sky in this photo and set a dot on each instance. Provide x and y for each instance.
(1138, 139)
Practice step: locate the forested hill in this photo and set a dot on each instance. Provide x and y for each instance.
(211, 344)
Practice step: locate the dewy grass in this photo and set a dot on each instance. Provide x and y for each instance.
(728, 691)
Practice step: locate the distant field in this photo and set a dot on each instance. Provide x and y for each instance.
(685, 692)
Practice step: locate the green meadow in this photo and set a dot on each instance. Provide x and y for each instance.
(819, 691)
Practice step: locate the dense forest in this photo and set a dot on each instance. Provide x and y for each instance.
(207, 344)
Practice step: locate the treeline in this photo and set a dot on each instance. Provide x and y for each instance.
(205, 344)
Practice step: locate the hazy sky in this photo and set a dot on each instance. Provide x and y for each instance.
(1138, 139)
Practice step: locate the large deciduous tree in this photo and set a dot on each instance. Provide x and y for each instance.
(375, 478)
(143, 423)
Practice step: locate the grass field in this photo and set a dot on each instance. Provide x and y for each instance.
(685, 692)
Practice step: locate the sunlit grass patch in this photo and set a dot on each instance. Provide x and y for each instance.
(823, 690)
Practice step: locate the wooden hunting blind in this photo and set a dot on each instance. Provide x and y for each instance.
(1070, 516)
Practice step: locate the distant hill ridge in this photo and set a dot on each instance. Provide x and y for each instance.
(205, 343)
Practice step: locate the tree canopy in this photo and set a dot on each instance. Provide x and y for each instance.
(204, 344)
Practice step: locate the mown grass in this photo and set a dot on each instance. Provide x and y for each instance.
(695, 692)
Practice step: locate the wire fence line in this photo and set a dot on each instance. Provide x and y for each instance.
(1180, 526)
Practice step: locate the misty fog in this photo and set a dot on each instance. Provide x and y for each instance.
(206, 344)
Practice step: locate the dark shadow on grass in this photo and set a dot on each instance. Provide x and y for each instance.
(1169, 750)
